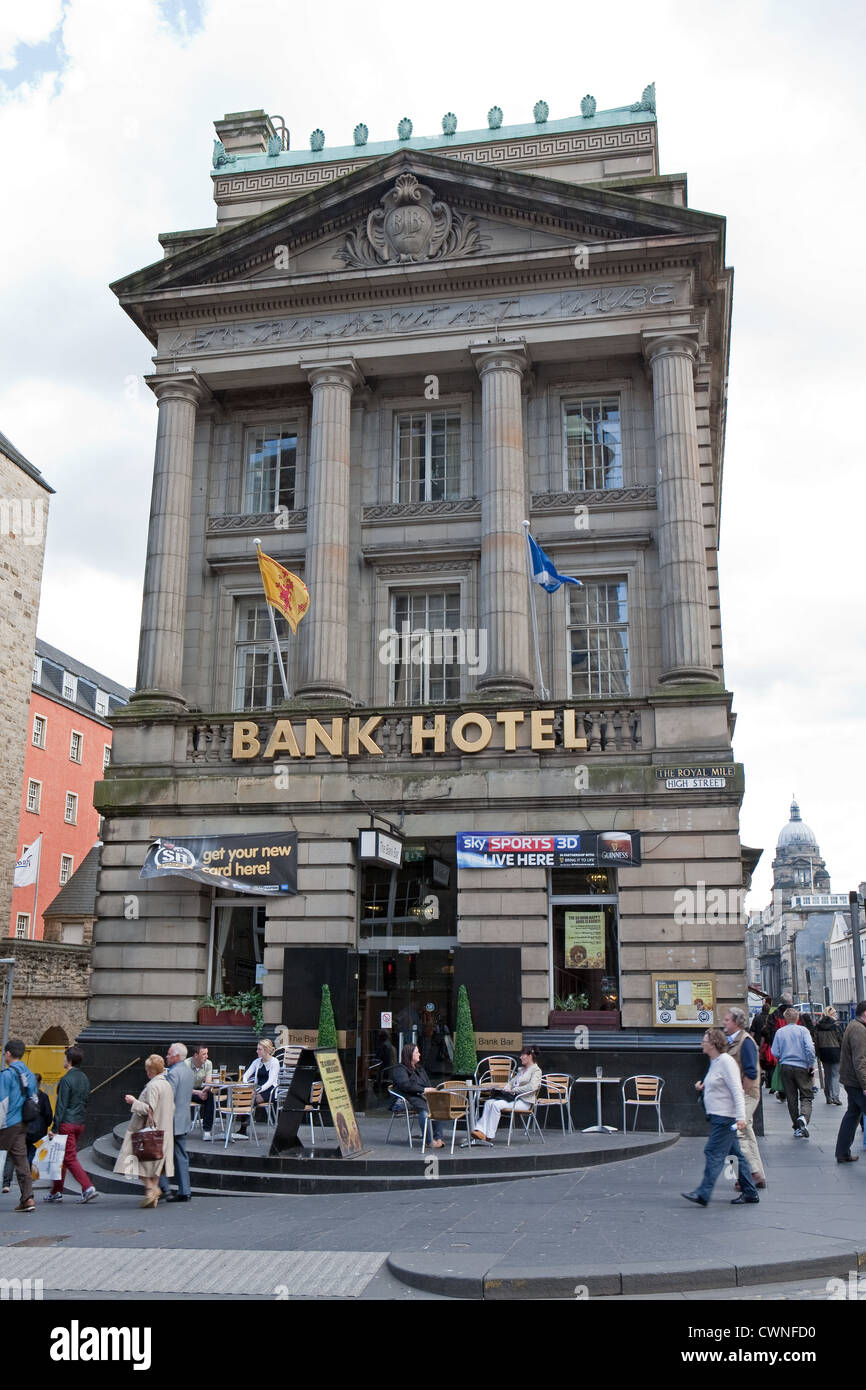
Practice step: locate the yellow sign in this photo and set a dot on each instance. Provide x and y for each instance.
(353, 737)
(681, 1000)
(584, 941)
(339, 1101)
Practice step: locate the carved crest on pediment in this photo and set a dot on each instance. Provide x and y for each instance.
(411, 224)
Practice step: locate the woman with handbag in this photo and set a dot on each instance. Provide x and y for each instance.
(148, 1145)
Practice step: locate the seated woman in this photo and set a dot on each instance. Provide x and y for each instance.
(264, 1073)
(518, 1094)
(412, 1082)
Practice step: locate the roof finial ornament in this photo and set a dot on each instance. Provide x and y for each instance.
(360, 134)
(494, 117)
(449, 123)
(587, 107)
(540, 112)
(404, 129)
(317, 141)
(647, 100)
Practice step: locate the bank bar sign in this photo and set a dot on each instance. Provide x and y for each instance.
(575, 849)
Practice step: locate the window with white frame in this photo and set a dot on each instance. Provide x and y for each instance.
(593, 444)
(427, 655)
(257, 674)
(40, 727)
(101, 703)
(65, 868)
(427, 456)
(37, 670)
(76, 744)
(106, 755)
(598, 638)
(22, 925)
(70, 686)
(70, 814)
(270, 468)
(34, 795)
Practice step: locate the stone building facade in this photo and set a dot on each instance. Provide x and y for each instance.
(380, 362)
(24, 496)
(49, 1000)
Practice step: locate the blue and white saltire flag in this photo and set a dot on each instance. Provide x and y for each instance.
(543, 570)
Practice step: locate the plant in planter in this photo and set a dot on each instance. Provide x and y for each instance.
(226, 1010)
(465, 1056)
(570, 1003)
(327, 1025)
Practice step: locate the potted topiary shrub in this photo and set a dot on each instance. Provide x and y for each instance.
(327, 1026)
(465, 1055)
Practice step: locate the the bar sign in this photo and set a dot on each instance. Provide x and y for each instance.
(376, 846)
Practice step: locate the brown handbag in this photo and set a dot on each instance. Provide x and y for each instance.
(147, 1143)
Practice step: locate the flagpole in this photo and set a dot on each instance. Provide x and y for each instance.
(270, 609)
(541, 687)
(36, 890)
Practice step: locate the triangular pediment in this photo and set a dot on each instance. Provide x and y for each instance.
(412, 208)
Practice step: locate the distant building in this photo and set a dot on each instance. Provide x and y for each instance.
(68, 746)
(24, 496)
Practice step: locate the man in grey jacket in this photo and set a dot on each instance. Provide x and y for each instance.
(852, 1074)
(181, 1080)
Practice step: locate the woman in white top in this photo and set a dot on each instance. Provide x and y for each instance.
(264, 1073)
(523, 1087)
(726, 1111)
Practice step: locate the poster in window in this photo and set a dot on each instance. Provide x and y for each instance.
(684, 1001)
(584, 941)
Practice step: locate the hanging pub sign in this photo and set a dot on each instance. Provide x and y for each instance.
(377, 847)
(583, 849)
(266, 863)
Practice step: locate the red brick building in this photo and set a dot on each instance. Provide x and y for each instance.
(68, 747)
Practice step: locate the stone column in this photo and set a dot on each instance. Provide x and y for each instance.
(160, 653)
(325, 629)
(504, 592)
(685, 614)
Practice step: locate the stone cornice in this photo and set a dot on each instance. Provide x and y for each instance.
(386, 565)
(396, 513)
(257, 521)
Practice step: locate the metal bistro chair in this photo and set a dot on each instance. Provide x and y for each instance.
(557, 1092)
(314, 1108)
(236, 1104)
(401, 1107)
(648, 1091)
(528, 1117)
(288, 1062)
(447, 1105)
(493, 1073)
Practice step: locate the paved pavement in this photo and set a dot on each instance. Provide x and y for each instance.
(618, 1230)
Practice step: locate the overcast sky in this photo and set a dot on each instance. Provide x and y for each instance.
(106, 114)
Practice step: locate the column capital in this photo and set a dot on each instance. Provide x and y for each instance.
(343, 371)
(670, 342)
(506, 356)
(182, 386)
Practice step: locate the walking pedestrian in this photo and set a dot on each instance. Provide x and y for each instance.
(852, 1074)
(181, 1080)
(795, 1053)
(70, 1114)
(742, 1048)
(154, 1108)
(724, 1103)
(828, 1042)
(36, 1130)
(17, 1084)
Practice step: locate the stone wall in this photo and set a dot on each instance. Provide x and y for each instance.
(23, 518)
(50, 989)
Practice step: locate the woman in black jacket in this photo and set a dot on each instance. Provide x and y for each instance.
(411, 1081)
(828, 1044)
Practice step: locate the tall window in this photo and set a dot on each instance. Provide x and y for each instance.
(22, 925)
(40, 725)
(65, 868)
(257, 675)
(101, 703)
(76, 743)
(70, 815)
(106, 755)
(34, 795)
(593, 444)
(70, 686)
(598, 638)
(37, 670)
(427, 456)
(270, 468)
(427, 643)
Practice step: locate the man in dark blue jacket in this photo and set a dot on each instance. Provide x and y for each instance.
(16, 1083)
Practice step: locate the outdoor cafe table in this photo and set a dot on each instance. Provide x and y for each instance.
(598, 1082)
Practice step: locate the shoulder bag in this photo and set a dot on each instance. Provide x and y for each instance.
(147, 1143)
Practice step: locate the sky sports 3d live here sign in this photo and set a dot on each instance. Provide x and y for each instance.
(569, 850)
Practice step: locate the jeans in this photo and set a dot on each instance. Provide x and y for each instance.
(723, 1141)
(798, 1083)
(14, 1139)
(421, 1108)
(9, 1165)
(181, 1168)
(70, 1158)
(831, 1080)
(850, 1120)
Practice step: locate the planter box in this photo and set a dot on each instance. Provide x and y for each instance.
(229, 1018)
(588, 1018)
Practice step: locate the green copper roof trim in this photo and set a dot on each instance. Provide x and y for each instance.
(602, 120)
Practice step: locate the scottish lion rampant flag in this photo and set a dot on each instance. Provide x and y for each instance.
(543, 570)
